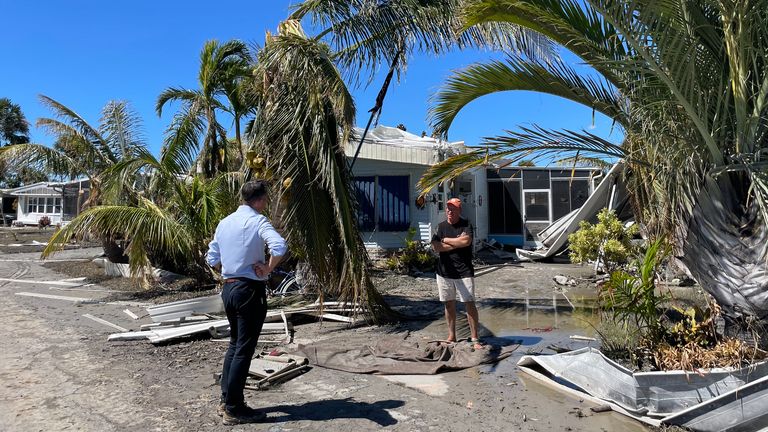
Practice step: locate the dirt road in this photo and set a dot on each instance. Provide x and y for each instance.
(59, 373)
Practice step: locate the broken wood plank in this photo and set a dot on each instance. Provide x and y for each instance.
(105, 322)
(54, 297)
(129, 336)
(131, 314)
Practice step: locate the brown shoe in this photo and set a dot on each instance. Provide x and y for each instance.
(221, 408)
(242, 415)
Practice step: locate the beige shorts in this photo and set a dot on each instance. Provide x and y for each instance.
(448, 288)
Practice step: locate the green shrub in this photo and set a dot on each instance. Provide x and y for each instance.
(631, 297)
(607, 240)
(415, 256)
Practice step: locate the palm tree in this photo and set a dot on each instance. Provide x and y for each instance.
(305, 114)
(81, 149)
(364, 34)
(303, 120)
(166, 215)
(14, 128)
(686, 81)
(222, 66)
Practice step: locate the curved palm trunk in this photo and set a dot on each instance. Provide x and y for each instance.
(726, 247)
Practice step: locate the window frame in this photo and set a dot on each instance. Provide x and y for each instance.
(549, 206)
(377, 202)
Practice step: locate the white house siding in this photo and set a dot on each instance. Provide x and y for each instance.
(30, 216)
(59, 201)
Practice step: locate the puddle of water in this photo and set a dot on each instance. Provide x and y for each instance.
(512, 319)
(529, 321)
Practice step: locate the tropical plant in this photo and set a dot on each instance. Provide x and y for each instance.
(685, 81)
(305, 116)
(166, 216)
(14, 128)
(222, 68)
(607, 241)
(632, 296)
(81, 149)
(415, 256)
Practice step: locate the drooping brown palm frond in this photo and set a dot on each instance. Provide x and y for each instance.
(304, 120)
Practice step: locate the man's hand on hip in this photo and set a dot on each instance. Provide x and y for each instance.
(262, 269)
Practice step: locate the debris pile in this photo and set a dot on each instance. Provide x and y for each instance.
(206, 315)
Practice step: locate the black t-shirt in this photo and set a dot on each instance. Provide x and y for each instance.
(457, 263)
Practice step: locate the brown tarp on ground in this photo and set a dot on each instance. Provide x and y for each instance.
(394, 355)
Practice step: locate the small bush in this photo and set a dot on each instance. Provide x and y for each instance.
(607, 241)
(415, 256)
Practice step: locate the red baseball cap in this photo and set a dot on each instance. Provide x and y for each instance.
(456, 202)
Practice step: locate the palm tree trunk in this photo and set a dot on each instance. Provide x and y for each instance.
(726, 247)
(237, 137)
(376, 110)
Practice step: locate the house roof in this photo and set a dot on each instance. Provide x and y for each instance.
(396, 145)
(40, 188)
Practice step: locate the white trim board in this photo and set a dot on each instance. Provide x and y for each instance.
(34, 282)
(54, 297)
(105, 322)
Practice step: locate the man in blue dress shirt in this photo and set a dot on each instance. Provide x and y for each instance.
(237, 250)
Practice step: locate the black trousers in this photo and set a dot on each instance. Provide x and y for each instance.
(245, 302)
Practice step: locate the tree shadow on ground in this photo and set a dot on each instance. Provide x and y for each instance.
(336, 409)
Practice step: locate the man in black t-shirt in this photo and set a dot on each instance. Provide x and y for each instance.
(455, 273)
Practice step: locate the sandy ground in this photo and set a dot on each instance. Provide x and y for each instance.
(59, 373)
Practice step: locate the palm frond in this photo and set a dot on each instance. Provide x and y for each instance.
(584, 161)
(190, 97)
(84, 129)
(122, 129)
(42, 158)
(367, 33)
(147, 225)
(555, 78)
(182, 142)
(574, 25)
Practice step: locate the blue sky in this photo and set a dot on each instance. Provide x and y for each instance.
(84, 53)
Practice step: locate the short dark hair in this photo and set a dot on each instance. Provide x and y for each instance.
(253, 190)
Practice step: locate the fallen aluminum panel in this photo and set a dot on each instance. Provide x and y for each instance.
(166, 333)
(129, 336)
(162, 335)
(556, 235)
(592, 373)
(740, 410)
(674, 397)
(184, 308)
(547, 380)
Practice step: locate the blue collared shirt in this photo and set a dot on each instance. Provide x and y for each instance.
(239, 241)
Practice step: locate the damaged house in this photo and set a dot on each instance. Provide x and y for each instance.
(509, 204)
